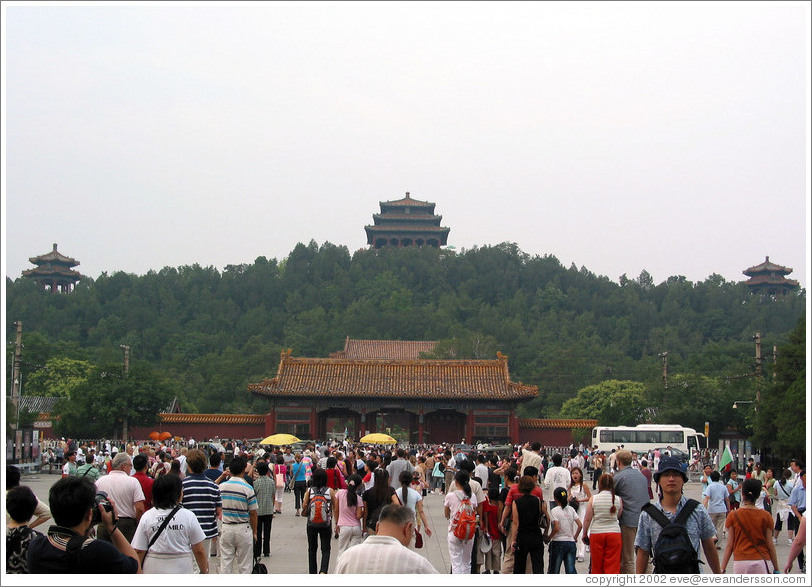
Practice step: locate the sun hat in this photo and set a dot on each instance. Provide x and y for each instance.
(485, 543)
(669, 464)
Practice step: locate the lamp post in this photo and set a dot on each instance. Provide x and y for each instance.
(737, 402)
(124, 428)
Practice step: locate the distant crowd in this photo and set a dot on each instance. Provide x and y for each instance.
(181, 506)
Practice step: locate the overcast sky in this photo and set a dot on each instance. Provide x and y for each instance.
(619, 137)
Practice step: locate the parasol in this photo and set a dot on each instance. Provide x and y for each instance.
(378, 438)
(279, 439)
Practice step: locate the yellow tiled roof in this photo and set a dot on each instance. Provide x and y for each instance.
(211, 418)
(384, 349)
(394, 379)
(555, 423)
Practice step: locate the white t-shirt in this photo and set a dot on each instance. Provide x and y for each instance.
(182, 532)
(556, 477)
(412, 497)
(566, 523)
(453, 501)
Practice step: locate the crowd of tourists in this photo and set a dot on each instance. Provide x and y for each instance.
(170, 507)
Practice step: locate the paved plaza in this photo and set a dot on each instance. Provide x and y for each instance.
(289, 540)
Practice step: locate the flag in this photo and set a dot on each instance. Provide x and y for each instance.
(726, 461)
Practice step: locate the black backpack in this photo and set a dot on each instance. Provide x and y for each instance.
(673, 551)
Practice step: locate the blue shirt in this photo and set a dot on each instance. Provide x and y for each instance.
(716, 493)
(798, 496)
(238, 499)
(699, 527)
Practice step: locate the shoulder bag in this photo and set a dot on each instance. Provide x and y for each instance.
(756, 545)
(162, 528)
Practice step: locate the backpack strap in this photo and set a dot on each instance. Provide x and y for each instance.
(686, 511)
(163, 526)
(656, 515)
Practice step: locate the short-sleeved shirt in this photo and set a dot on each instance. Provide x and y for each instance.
(514, 493)
(453, 500)
(238, 499)
(716, 494)
(201, 496)
(265, 489)
(181, 533)
(412, 497)
(89, 471)
(348, 515)
(69, 468)
(631, 486)
(798, 496)
(566, 523)
(124, 490)
(699, 527)
(750, 525)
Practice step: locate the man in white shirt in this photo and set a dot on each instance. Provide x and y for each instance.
(126, 492)
(481, 471)
(531, 458)
(387, 551)
(556, 476)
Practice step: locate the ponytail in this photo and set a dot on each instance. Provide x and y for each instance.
(462, 479)
(405, 479)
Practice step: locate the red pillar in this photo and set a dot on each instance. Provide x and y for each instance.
(469, 427)
(420, 427)
(514, 427)
(314, 423)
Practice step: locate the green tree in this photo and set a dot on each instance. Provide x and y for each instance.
(779, 422)
(59, 377)
(100, 406)
(612, 403)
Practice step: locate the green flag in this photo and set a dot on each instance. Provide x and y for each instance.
(726, 461)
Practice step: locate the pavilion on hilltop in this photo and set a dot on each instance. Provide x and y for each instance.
(769, 279)
(406, 223)
(54, 272)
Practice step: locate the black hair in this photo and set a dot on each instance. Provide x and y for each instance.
(751, 488)
(463, 480)
(166, 491)
(318, 478)
(263, 468)
(237, 465)
(531, 471)
(560, 496)
(21, 503)
(139, 462)
(715, 476)
(405, 480)
(355, 485)
(280, 460)
(466, 465)
(557, 459)
(331, 462)
(214, 459)
(536, 446)
(70, 499)
(380, 489)
(12, 476)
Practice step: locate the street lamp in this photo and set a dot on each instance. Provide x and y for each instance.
(737, 402)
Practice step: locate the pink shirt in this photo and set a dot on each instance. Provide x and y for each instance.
(347, 515)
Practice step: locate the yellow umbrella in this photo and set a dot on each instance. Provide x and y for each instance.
(378, 438)
(279, 439)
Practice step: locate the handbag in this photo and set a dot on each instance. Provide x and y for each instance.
(280, 477)
(574, 503)
(259, 568)
(293, 475)
(162, 528)
(418, 539)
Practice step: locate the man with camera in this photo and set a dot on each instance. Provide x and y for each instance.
(67, 548)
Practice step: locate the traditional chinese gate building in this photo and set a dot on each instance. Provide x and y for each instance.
(406, 223)
(769, 279)
(431, 400)
(54, 272)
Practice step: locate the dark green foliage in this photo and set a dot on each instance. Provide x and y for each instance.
(210, 333)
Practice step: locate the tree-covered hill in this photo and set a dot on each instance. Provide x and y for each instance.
(210, 333)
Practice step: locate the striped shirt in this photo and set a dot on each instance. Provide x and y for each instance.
(238, 499)
(382, 555)
(265, 488)
(202, 497)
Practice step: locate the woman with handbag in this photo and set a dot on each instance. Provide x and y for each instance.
(279, 470)
(527, 518)
(579, 495)
(168, 535)
(412, 499)
(749, 533)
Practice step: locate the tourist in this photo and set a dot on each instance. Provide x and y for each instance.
(526, 510)
(717, 503)
(280, 471)
(349, 515)
(376, 498)
(126, 493)
(797, 547)
(531, 458)
(173, 549)
(797, 502)
(239, 531)
(42, 512)
(70, 467)
(319, 530)
(299, 475)
(412, 499)
(602, 529)
(670, 479)
(632, 488)
(386, 552)
(459, 551)
(749, 532)
(201, 496)
(579, 495)
(565, 528)
(266, 489)
(140, 464)
(782, 490)
(598, 462)
(20, 506)
(734, 489)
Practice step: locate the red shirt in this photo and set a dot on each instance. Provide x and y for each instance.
(514, 494)
(146, 485)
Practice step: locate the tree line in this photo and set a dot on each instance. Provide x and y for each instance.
(203, 335)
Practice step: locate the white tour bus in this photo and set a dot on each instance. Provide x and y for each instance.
(645, 437)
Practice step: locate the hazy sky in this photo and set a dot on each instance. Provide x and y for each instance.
(619, 137)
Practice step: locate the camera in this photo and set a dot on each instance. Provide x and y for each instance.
(101, 500)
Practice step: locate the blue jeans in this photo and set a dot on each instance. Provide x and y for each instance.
(562, 552)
